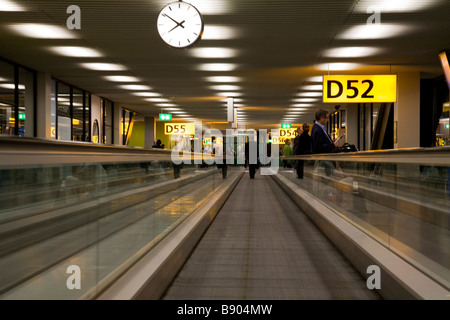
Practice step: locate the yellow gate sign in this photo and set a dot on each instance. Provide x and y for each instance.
(179, 128)
(360, 89)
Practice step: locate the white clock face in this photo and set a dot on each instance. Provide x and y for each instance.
(180, 24)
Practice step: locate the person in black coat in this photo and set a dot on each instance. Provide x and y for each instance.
(302, 145)
(321, 141)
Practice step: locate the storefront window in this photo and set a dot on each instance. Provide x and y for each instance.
(78, 132)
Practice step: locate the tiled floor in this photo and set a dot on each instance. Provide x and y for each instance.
(261, 246)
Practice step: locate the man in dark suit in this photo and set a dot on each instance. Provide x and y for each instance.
(302, 145)
(321, 141)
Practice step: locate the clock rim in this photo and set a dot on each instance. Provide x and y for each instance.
(201, 31)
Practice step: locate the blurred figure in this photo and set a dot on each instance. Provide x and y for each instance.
(287, 151)
(302, 145)
(158, 145)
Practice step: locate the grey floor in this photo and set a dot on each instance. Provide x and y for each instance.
(261, 246)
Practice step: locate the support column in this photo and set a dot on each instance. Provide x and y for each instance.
(149, 131)
(44, 106)
(351, 124)
(407, 111)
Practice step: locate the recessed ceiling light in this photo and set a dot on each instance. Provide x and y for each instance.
(11, 86)
(309, 94)
(338, 66)
(134, 87)
(224, 79)
(388, 6)
(229, 94)
(157, 100)
(103, 66)
(225, 87)
(352, 52)
(78, 52)
(216, 32)
(375, 31)
(121, 78)
(315, 79)
(213, 53)
(217, 67)
(42, 31)
(147, 94)
(302, 105)
(305, 100)
(313, 87)
(7, 5)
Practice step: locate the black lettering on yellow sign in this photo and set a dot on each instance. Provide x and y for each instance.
(360, 88)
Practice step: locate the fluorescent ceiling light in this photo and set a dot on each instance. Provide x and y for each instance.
(313, 87)
(146, 94)
(229, 94)
(79, 52)
(217, 67)
(299, 108)
(386, 6)
(302, 105)
(135, 87)
(157, 100)
(375, 31)
(338, 66)
(103, 66)
(169, 106)
(216, 32)
(315, 79)
(305, 100)
(213, 53)
(224, 79)
(225, 87)
(42, 31)
(121, 78)
(7, 5)
(352, 52)
(309, 94)
(11, 86)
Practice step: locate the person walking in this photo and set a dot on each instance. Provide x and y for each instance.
(302, 145)
(321, 141)
(287, 151)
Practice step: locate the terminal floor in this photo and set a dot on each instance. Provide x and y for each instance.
(261, 246)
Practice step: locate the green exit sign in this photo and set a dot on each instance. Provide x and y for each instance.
(21, 116)
(285, 126)
(447, 126)
(165, 117)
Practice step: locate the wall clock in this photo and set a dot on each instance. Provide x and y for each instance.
(180, 24)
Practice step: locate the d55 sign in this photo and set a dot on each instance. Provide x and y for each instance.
(179, 128)
(360, 89)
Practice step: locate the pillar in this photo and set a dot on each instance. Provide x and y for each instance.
(407, 111)
(149, 131)
(44, 106)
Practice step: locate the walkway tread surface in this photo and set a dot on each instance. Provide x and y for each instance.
(261, 246)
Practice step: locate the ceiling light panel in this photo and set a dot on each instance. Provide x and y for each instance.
(135, 87)
(78, 52)
(42, 31)
(217, 67)
(392, 6)
(147, 94)
(225, 87)
(103, 66)
(7, 5)
(121, 78)
(375, 31)
(217, 32)
(213, 53)
(352, 52)
(223, 79)
(338, 66)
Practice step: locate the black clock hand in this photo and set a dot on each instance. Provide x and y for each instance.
(179, 24)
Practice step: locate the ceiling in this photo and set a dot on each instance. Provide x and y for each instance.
(275, 50)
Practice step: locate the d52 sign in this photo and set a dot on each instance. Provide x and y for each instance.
(360, 89)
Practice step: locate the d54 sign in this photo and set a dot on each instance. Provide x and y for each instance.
(360, 89)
